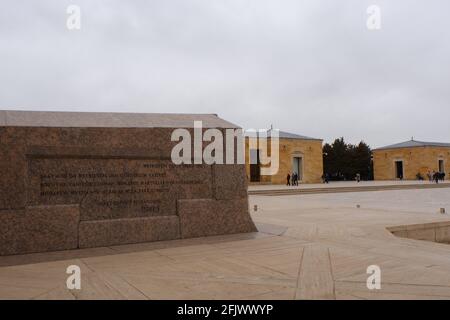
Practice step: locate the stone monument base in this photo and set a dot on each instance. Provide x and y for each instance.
(81, 180)
(53, 228)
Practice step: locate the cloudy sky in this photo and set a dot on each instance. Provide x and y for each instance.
(306, 66)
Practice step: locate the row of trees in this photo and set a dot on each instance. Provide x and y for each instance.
(343, 161)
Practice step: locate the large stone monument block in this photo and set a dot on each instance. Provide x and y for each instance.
(77, 180)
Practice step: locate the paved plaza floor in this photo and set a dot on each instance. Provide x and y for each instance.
(314, 246)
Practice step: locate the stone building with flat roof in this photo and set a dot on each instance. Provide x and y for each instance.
(408, 159)
(300, 154)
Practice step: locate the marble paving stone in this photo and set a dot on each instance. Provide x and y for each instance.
(20, 293)
(315, 276)
(360, 288)
(167, 288)
(329, 263)
(59, 293)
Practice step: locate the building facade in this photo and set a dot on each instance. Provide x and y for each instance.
(411, 159)
(300, 154)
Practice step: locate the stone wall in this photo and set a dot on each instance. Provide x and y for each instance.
(415, 160)
(434, 232)
(309, 150)
(65, 188)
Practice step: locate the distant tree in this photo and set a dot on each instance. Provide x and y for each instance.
(343, 161)
(362, 160)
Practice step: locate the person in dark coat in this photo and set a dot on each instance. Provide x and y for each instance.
(436, 177)
(288, 183)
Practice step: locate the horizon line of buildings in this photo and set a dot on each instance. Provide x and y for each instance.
(303, 155)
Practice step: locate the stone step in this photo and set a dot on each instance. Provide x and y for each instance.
(280, 192)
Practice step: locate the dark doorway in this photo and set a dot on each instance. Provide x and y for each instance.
(255, 166)
(441, 166)
(399, 170)
(297, 167)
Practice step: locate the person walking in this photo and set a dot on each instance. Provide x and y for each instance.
(436, 177)
(288, 182)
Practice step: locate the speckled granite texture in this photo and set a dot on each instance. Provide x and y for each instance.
(36, 229)
(72, 180)
(207, 217)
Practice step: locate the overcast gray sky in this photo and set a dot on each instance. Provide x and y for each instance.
(306, 66)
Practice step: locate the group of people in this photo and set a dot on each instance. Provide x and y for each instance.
(292, 179)
(435, 176)
(326, 178)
